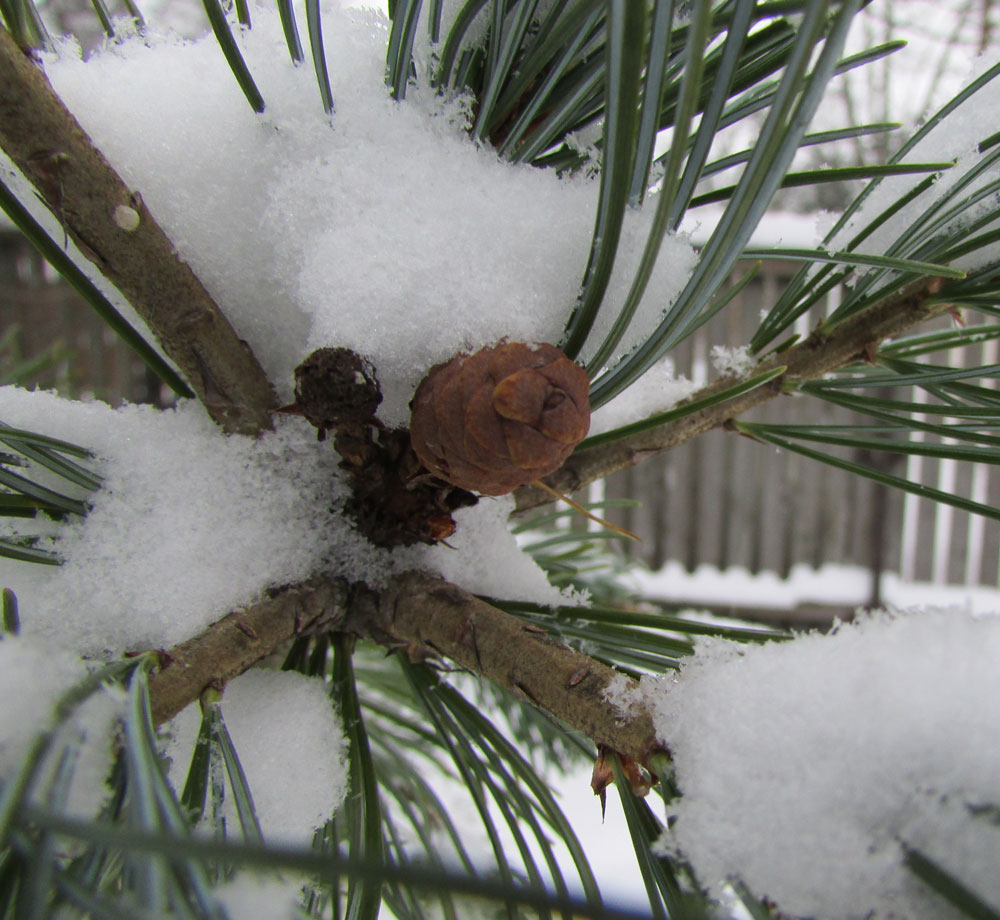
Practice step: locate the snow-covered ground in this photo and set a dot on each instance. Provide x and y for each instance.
(830, 586)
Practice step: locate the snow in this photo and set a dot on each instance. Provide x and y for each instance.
(484, 557)
(382, 229)
(38, 677)
(385, 230)
(188, 524)
(805, 767)
(289, 738)
(656, 391)
(732, 360)
(777, 228)
(191, 523)
(259, 896)
(292, 749)
(832, 585)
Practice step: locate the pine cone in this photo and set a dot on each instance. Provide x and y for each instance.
(500, 418)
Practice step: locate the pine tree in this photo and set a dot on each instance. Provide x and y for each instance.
(428, 678)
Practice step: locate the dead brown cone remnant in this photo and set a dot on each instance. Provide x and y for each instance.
(394, 501)
(500, 418)
(336, 388)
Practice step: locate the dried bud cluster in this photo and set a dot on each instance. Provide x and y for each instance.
(500, 418)
(394, 501)
(336, 388)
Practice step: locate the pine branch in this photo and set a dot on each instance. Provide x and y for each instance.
(110, 224)
(238, 641)
(822, 352)
(419, 612)
(416, 613)
(423, 612)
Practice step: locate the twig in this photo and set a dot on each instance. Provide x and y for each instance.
(110, 224)
(819, 354)
(423, 612)
(416, 612)
(236, 642)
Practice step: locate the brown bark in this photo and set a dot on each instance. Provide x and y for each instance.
(420, 612)
(820, 353)
(98, 211)
(415, 614)
(229, 647)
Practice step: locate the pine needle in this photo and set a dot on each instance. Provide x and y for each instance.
(593, 517)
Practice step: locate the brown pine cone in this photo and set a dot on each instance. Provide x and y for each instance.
(500, 418)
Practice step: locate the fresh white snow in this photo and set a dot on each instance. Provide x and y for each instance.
(34, 679)
(290, 742)
(380, 228)
(807, 768)
(191, 523)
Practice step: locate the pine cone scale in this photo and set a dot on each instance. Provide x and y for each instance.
(520, 396)
(484, 439)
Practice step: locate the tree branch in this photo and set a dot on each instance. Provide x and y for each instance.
(99, 212)
(421, 611)
(819, 354)
(417, 612)
(236, 642)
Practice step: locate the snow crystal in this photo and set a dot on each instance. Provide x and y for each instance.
(290, 742)
(838, 751)
(383, 229)
(738, 361)
(37, 675)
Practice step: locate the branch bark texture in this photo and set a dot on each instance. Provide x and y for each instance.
(821, 353)
(420, 611)
(232, 645)
(110, 224)
(415, 614)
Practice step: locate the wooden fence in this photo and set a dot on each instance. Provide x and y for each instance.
(724, 500)
(37, 309)
(721, 500)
